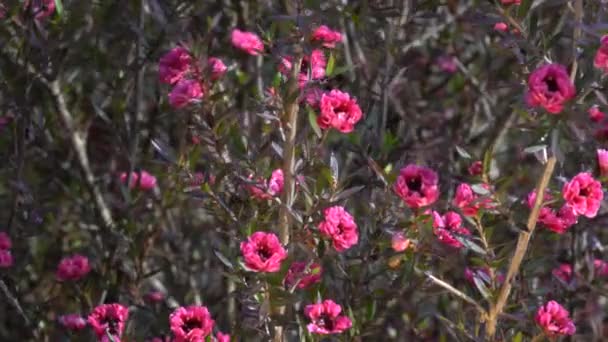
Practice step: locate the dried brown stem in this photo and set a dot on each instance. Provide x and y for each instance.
(520, 251)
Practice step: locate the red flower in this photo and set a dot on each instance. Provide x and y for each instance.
(73, 268)
(312, 96)
(584, 194)
(217, 68)
(174, 65)
(5, 241)
(550, 86)
(325, 318)
(563, 272)
(601, 268)
(476, 168)
(399, 242)
(311, 68)
(595, 114)
(467, 201)
(501, 27)
(559, 221)
(73, 322)
(340, 111)
(326, 36)
(601, 57)
(417, 186)
(109, 319)
(155, 296)
(248, 42)
(191, 324)
(268, 189)
(446, 226)
(147, 181)
(303, 274)
(447, 63)
(554, 320)
(339, 226)
(221, 337)
(184, 93)
(263, 252)
(6, 259)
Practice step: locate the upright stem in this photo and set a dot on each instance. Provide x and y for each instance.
(520, 251)
(290, 122)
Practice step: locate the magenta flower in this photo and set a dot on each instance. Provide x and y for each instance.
(446, 226)
(326, 319)
(549, 86)
(73, 268)
(399, 242)
(41, 9)
(501, 27)
(302, 274)
(417, 186)
(511, 2)
(467, 201)
(109, 319)
(248, 42)
(476, 168)
(339, 111)
(174, 65)
(221, 337)
(595, 114)
(263, 252)
(191, 324)
(340, 227)
(311, 68)
(326, 36)
(564, 272)
(584, 194)
(601, 268)
(312, 96)
(6, 259)
(559, 221)
(147, 181)
(447, 63)
(602, 162)
(554, 320)
(184, 93)
(265, 190)
(5, 241)
(154, 296)
(217, 68)
(601, 56)
(73, 322)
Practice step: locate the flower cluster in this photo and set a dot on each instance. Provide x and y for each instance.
(263, 252)
(312, 67)
(6, 258)
(268, 189)
(326, 319)
(303, 275)
(340, 227)
(73, 268)
(141, 180)
(558, 221)
(326, 36)
(554, 320)
(468, 202)
(447, 227)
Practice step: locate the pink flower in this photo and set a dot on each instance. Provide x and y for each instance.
(550, 87)
(248, 42)
(311, 68)
(263, 252)
(217, 68)
(303, 274)
(584, 194)
(446, 226)
(184, 93)
(501, 27)
(147, 181)
(554, 320)
(155, 296)
(174, 65)
(595, 114)
(601, 268)
(73, 322)
(6, 259)
(601, 57)
(5, 241)
(339, 226)
(326, 319)
(312, 96)
(109, 319)
(326, 36)
(191, 324)
(563, 272)
(399, 242)
(221, 337)
(417, 186)
(511, 2)
(73, 268)
(447, 63)
(340, 111)
(559, 221)
(602, 161)
(476, 168)
(41, 9)
(467, 201)
(268, 189)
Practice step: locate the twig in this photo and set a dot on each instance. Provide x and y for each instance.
(520, 251)
(576, 35)
(457, 293)
(13, 300)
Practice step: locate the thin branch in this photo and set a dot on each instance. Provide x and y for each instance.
(456, 292)
(576, 35)
(520, 251)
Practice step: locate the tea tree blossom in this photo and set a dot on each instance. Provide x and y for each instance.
(142, 180)
(550, 87)
(446, 227)
(325, 318)
(270, 188)
(191, 324)
(109, 319)
(73, 322)
(584, 194)
(595, 114)
(564, 272)
(340, 227)
(73, 268)
(601, 56)
(417, 186)
(554, 320)
(262, 252)
(303, 274)
(174, 65)
(217, 68)
(399, 242)
(328, 37)
(248, 42)
(556, 221)
(185, 92)
(339, 111)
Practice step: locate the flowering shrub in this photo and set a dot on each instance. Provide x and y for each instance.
(303, 170)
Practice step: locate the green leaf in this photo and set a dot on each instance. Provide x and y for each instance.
(59, 7)
(223, 259)
(331, 63)
(518, 338)
(481, 287)
(312, 119)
